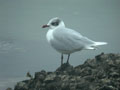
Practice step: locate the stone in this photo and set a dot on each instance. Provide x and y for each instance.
(9, 89)
(100, 73)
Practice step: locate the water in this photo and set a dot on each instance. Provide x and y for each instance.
(23, 45)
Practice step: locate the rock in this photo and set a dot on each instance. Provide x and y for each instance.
(29, 75)
(9, 89)
(100, 73)
(65, 68)
(50, 78)
(21, 86)
(40, 75)
(107, 88)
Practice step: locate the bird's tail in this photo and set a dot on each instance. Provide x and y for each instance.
(94, 46)
(100, 43)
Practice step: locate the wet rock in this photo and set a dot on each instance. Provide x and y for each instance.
(107, 88)
(50, 78)
(100, 73)
(21, 86)
(9, 89)
(40, 75)
(65, 68)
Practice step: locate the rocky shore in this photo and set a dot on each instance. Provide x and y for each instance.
(100, 73)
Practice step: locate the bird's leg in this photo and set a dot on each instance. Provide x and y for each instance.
(61, 59)
(68, 58)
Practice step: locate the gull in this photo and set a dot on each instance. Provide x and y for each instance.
(66, 40)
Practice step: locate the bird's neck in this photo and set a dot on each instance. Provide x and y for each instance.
(62, 24)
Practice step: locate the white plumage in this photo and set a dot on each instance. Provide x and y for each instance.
(67, 41)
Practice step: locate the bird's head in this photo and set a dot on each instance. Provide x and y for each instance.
(54, 22)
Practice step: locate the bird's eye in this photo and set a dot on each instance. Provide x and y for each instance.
(55, 23)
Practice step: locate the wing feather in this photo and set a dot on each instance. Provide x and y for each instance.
(69, 39)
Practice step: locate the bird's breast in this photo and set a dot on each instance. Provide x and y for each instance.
(49, 35)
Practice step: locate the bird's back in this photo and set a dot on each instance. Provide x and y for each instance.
(68, 40)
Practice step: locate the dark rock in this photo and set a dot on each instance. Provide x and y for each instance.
(65, 68)
(40, 75)
(9, 89)
(29, 75)
(107, 88)
(101, 73)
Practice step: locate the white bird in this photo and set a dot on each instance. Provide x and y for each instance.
(67, 41)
